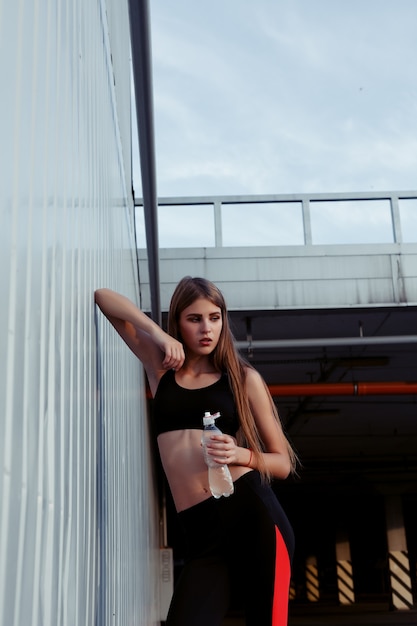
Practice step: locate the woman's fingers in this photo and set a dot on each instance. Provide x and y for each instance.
(174, 355)
(223, 449)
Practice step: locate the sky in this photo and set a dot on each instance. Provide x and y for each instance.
(284, 96)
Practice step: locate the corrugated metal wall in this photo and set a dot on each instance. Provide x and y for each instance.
(78, 518)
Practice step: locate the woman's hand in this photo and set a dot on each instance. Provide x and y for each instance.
(173, 351)
(224, 450)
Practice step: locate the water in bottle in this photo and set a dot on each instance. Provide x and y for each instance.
(220, 479)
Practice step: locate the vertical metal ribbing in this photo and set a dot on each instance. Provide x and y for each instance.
(74, 439)
(312, 579)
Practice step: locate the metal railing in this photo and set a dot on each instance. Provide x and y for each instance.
(388, 212)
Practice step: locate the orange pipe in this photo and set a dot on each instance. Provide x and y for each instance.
(339, 389)
(345, 389)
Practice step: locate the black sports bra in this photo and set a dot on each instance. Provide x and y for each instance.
(175, 407)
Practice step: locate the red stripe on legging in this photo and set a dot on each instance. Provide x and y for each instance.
(281, 583)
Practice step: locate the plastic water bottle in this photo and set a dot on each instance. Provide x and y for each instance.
(220, 479)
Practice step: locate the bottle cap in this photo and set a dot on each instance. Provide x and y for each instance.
(209, 419)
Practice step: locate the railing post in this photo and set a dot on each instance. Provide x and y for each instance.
(218, 235)
(396, 220)
(308, 240)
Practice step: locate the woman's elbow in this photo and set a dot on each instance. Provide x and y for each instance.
(285, 467)
(101, 294)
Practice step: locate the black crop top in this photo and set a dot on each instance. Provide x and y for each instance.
(175, 407)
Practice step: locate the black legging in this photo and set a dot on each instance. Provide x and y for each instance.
(244, 543)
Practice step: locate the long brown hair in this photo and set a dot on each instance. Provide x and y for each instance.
(225, 358)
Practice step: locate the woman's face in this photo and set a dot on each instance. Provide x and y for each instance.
(200, 325)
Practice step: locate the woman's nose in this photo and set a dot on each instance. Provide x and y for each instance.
(205, 325)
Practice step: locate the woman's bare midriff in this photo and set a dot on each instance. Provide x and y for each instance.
(186, 471)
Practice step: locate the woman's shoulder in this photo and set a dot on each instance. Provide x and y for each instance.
(252, 375)
(254, 381)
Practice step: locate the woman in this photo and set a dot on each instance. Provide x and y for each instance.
(244, 543)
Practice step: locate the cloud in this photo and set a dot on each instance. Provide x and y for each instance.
(290, 97)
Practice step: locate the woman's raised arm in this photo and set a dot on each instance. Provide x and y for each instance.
(157, 350)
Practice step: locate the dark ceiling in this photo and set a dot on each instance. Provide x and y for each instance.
(376, 431)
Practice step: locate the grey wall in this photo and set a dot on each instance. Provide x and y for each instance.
(78, 518)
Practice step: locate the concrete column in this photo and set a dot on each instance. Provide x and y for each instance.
(398, 563)
(312, 579)
(344, 570)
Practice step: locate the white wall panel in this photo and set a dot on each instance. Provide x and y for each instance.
(294, 276)
(78, 518)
